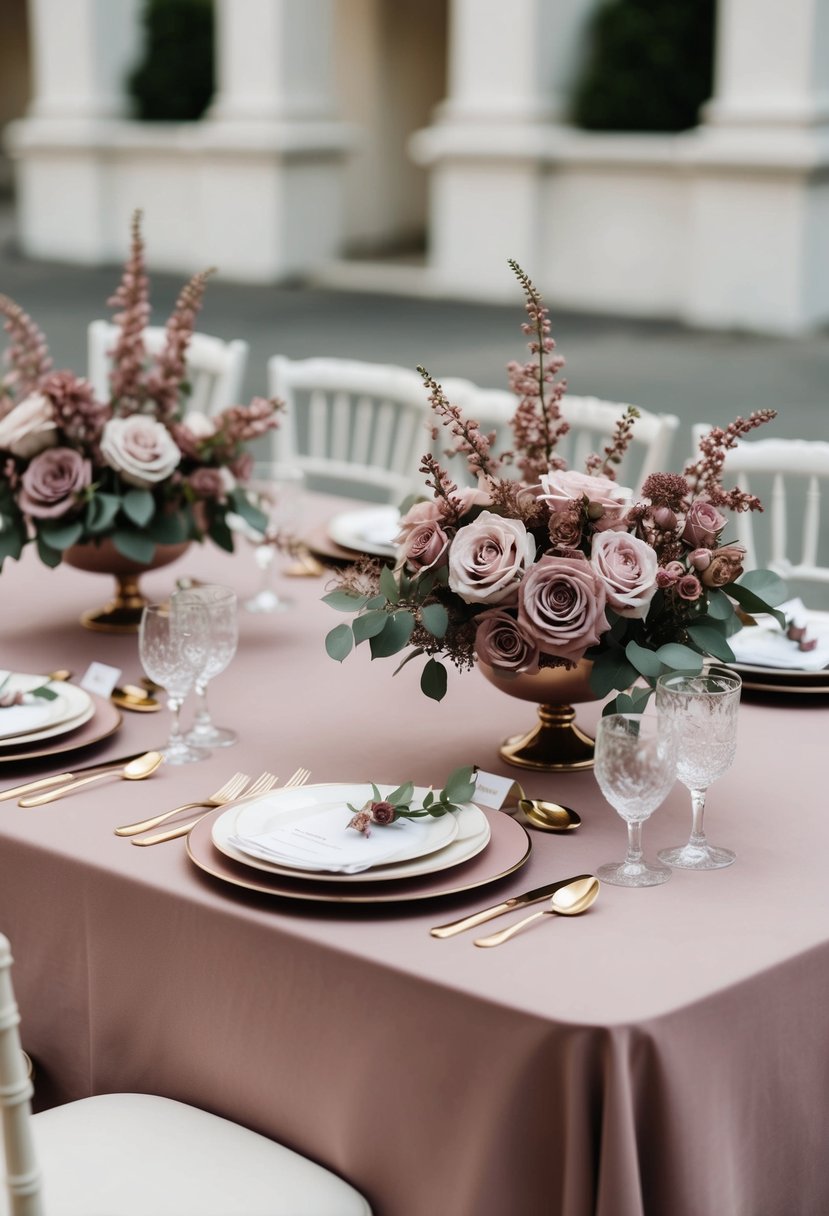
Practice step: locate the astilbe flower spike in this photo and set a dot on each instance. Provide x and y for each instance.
(704, 476)
(127, 388)
(614, 452)
(80, 417)
(443, 487)
(469, 440)
(27, 355)
(164, 382)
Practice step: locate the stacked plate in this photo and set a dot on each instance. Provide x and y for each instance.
(73, 718)
(351, 533)
(296, 843)
(768, 661)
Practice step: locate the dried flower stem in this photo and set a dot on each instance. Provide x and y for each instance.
(27, 355)
(704, 476)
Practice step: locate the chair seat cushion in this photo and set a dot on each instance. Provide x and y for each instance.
(139, 1155)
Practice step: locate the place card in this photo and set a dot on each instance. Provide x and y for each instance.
(494, 791)
(100, 678)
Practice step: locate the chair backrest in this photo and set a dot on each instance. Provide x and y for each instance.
(591, 420)
(787, 475)
(23, 1181)
(215, 368)
(357, 428)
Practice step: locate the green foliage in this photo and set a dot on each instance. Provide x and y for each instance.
(174, 81)
(649, 66)
(459, 788)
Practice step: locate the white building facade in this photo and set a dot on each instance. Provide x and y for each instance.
(345, 126)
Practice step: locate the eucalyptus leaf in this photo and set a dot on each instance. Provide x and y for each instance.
(719, 605)
(101, 512)
(752, 603)
(137, 546)
(433, 680)
(338, 642)
(220, 533)
(435, 619)
(168, 528)
(138, 506)
(12, 540)
(59, 535)
(611, 669)
(680, 658)
(767, 585)
(645, 661)
(49, 556)
(248, 510)
(711, 641)
(460, 785)
(402, 795)
(368, 625)
(394, 635)
(388, 585)
(345, 601)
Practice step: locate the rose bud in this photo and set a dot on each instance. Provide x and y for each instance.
(362, 822)
(383, 813)
(595, 511)
(796, 633)
(664, 579)
(700, 559)
(807, 644)
(689, 587)
(665, 519)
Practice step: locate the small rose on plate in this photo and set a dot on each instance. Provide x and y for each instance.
(459, 788)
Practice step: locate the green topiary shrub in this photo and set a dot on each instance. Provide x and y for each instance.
(649, 66)
(174, 80)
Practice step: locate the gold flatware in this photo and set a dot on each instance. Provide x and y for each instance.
(61, 675)
(231, 789)
(549, 816)
(261, 786)
(43, 783)
(570, 900)
(136, 699)
(139, 768)
(525, 900)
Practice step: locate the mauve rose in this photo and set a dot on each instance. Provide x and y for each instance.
(488, 557)
(703, 524)
(473, 496)
(417, 514)
(29, 428)
(141, 449)
(561, 606)
(198, 424)
(627, 567)
(49, 486)
(565, 529)
(425, 545)
(700, 559)
(689, 587)
(500, 643)
(208, 483)
(607, 501)
(726, 566)
(383, 813)
(664, 579)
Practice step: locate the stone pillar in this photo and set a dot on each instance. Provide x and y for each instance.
(510, 70)
(760, 193)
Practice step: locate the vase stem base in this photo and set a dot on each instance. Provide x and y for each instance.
(123, 612)
(555, 745)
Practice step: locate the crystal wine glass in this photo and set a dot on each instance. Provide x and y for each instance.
(173, 644)
(704, 709)
(635, 766)
(223, 636)
(277, 490)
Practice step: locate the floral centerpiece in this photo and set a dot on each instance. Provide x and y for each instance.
(134, 469)
(553, 566)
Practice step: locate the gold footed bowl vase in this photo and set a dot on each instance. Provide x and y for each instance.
(555, 744)
(122, 614)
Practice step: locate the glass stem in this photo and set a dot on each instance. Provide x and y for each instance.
(176, 741)
(201, 720)
(634, 853)
(697, 810)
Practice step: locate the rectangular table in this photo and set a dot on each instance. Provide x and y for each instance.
(666, 1053)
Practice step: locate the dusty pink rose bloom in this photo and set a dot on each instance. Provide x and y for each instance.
(627, 567)
(700, 559)
(665, 519)
(383, 813)
(726, 566)
(29, 428)
(607, 501)
(49, 486)
(664, 579)
(208, 483)
(425, 545)
(488, 557)
(689, 587)
(703, 524)
(473, 496)
(500, 643)
(141, 449)
(419, 513)
(561, 606)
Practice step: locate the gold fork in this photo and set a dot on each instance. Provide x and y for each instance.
(261, 786)
(231, 789)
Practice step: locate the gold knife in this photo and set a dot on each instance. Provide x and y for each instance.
(44, 783)
(517, 901)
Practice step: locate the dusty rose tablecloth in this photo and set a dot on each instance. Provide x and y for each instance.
(667, 1053)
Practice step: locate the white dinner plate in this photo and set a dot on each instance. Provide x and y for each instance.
(366, 530)
(472, 833)
(76, 707)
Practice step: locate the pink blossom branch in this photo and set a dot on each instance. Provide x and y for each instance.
(444, 488)
(128, 355)
(537, 425)
(469, 440)
(704, 476)
(614, 452)
(27, 356)
(164, 383)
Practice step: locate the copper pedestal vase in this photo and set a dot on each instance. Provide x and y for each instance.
(122, 614)
(555, 744)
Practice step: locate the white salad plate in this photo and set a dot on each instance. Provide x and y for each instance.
(366, 530)
(70, 709)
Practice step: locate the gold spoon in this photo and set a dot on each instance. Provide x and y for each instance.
(60, 676)
(571, 900)
(136, 770)
(549, 816)
(133, 697)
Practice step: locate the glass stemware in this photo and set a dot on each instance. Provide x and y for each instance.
(277, 491)
(173, 644)
(223, 636)
(635, 766)
(704, 710)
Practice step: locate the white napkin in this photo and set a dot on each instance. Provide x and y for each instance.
(20, 719)
(324, 841)
(766, 645)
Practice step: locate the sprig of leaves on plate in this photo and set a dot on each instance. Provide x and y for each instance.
(459, 788)
(7, 699)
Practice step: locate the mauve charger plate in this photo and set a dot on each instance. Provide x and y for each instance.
(104, 722)
(508, 849)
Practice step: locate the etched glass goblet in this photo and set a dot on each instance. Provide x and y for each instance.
(223, 636)
(173, 644)
(635, 766)
(704, 711)
(276, 490)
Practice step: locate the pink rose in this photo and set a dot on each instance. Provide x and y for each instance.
(417, 514)
(700, 559)
(52, 482)
(606, 501)
(500, 643)
(425, 545)
(473, 496)
(488, 557)
(703, 524)
(561, 606)
(726, 566)
(140, 448)
(30, 427)
(211, 483)
(689, 587)
(383, 813)
(627, 567)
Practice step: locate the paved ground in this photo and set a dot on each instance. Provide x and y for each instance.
(698, 375)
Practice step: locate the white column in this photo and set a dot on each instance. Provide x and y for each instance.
(510, 71)
(760, 191)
